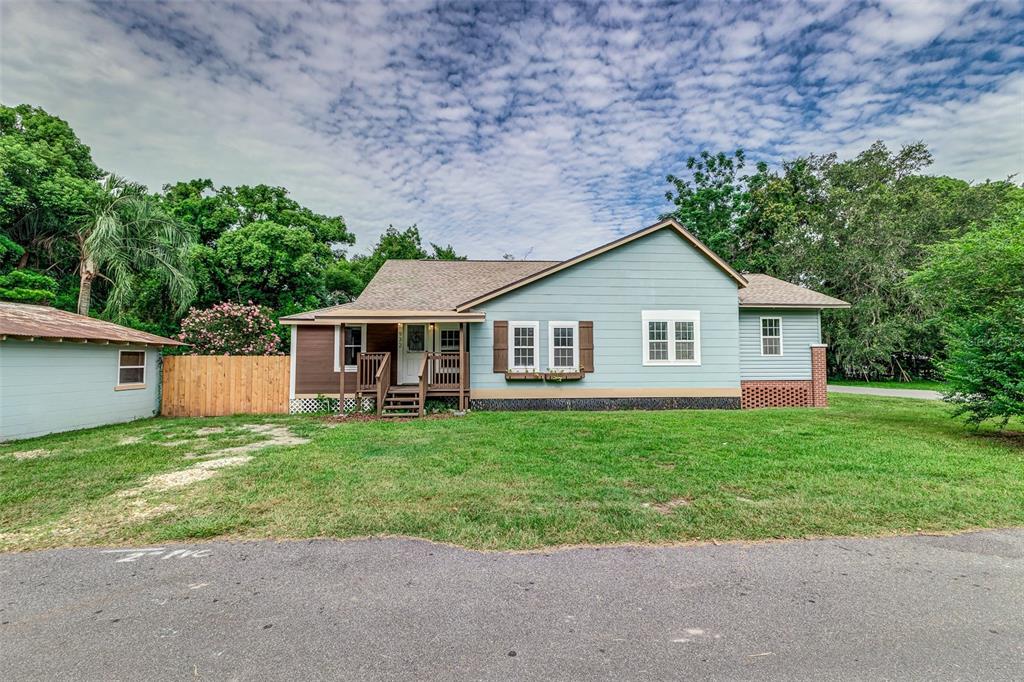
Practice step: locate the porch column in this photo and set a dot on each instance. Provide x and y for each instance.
(462, 365)
(340, 350)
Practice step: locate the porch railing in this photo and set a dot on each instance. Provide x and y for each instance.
(444, 371)
(367, 365)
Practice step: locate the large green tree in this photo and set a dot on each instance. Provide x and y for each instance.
(47, 178)
(353, 275)
(713, 201)
(253, 243)
(973, 287)
(853, 229)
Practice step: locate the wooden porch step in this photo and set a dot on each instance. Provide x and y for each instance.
(401, 401)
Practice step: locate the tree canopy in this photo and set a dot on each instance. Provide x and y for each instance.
(405, 244)
(852, 229)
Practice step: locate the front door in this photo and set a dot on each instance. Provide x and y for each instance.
(413, 344)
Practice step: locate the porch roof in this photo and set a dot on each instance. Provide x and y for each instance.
(343, 313)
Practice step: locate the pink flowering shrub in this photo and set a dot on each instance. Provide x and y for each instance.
(230, 329)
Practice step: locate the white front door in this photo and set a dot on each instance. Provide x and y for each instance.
(413, 343)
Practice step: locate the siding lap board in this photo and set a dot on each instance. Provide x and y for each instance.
(800, 328)
(657, 272)
(47, 387)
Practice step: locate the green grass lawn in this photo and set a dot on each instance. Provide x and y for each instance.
(520, 480)
(917, 384)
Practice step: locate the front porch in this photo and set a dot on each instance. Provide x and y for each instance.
(440, 375)
(389, 361)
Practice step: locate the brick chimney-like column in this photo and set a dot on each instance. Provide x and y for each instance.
(819, 376)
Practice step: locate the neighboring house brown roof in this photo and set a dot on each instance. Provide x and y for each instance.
(769, 292)
(42, 322)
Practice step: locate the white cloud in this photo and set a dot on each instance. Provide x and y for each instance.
(497, 129)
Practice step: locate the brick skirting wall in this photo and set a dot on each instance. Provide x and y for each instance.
(811, 392)
(777, 393)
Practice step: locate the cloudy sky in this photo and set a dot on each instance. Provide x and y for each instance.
(540, 130)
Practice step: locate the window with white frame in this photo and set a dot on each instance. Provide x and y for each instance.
(355, 343)
(771, 336)
(449, 340)
(131, 368)
(564, 345)
(522, 345)
(671, 337)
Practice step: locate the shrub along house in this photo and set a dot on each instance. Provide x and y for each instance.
(60, 371)
(652, 320)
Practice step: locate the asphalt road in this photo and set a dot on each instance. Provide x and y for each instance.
(918, 393)
(912, 607)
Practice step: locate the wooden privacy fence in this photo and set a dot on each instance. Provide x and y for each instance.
(214, 385)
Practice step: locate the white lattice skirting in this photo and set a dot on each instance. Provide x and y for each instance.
(329, 405)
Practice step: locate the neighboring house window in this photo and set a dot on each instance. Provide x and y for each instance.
(671, 337)
(771, 336)
(522, 341)
(449, 340)
(355, 343)
(131, 368)
(564, 345)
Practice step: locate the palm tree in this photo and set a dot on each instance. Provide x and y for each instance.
(124, 234)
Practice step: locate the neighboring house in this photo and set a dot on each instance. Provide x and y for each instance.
(60, 371)
(651, 320)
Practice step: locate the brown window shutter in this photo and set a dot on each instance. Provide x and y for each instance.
(587, 346)
(500, 346)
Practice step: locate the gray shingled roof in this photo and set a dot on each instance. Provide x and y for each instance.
(769, 292)
(436, 285)
(43, 322)
(433, 284)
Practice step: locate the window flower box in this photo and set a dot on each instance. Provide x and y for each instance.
(511, 375)
(558, 376)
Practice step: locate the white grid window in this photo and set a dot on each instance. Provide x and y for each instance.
(563, 345)
(657, 340)
(131, 368)
(449, 340)
(671, 337)
(685, 343)
(771, 336)
(355, 343)
(522, 344)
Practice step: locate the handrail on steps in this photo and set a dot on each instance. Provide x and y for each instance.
(383, 380)
(423, 381)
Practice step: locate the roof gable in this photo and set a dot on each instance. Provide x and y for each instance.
(668, 223)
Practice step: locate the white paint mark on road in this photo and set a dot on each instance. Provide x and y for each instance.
(131, 555)
(197, 586)
(694, 631)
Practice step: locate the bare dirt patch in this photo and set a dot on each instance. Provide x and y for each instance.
(154, 497)
(130, 440)
(209, 430)
(194, 474)
(670, 506)
(31, 454)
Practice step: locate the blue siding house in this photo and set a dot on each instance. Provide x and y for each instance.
(652, 320)
(60, 371)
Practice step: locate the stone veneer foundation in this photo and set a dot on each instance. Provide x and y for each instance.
(707, 403)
